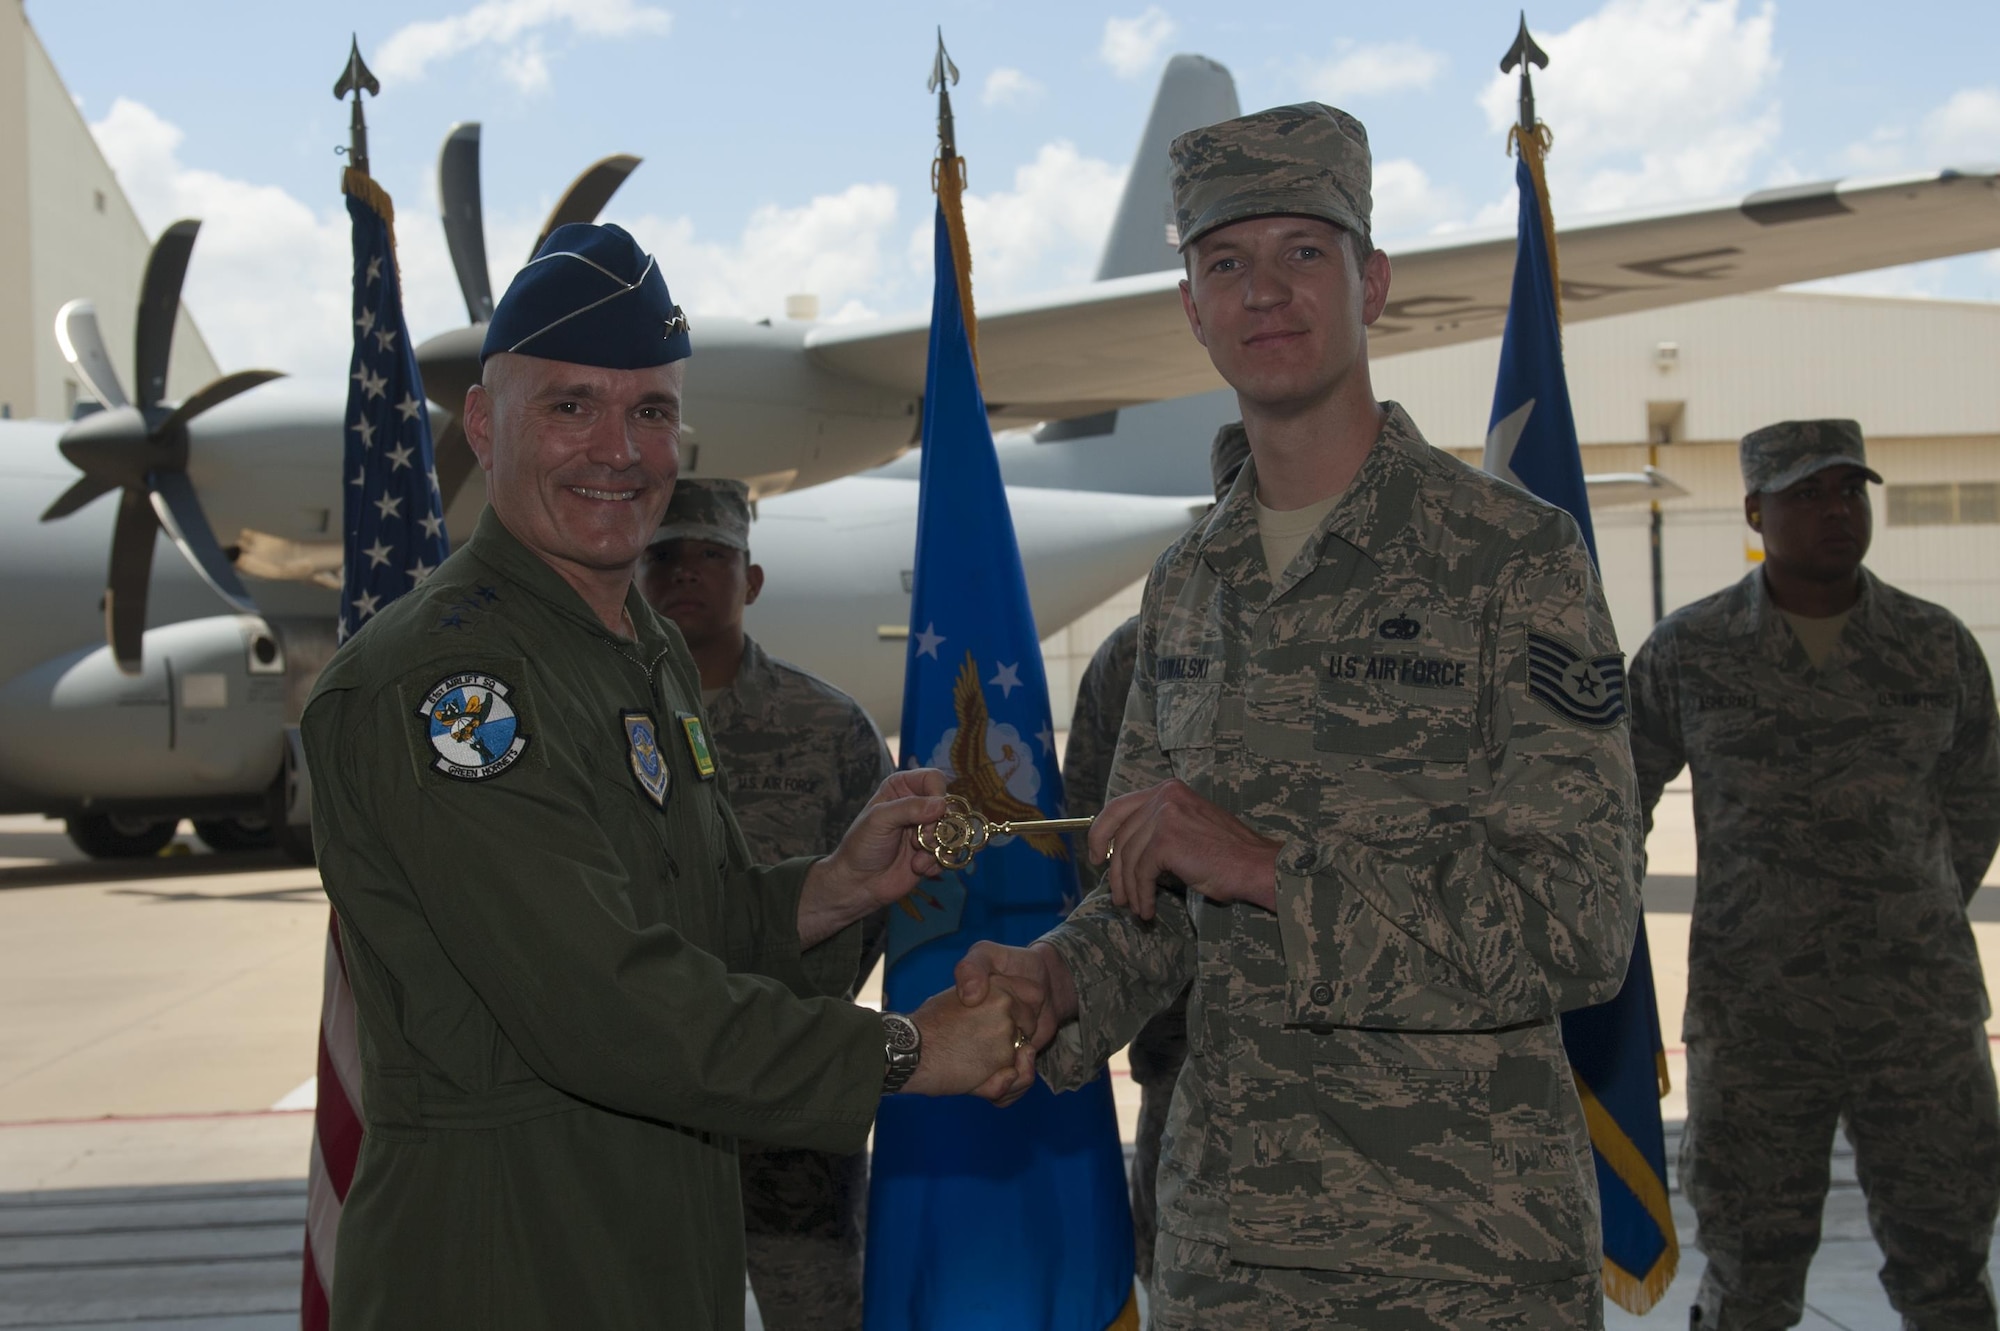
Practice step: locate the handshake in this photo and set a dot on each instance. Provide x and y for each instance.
(981, 1037)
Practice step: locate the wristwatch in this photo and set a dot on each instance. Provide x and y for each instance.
(904, 1046)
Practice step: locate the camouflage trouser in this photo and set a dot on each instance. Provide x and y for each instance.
(1919, 1104)
(802, 1236)
(1157, 1054)
(1197, 1286)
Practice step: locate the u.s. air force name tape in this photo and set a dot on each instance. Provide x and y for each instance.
(1588, 692)
(472, 728)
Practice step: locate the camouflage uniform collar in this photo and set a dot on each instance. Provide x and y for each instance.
(1758, 615)
(1373, 512)
(753, 693)
(502, 552)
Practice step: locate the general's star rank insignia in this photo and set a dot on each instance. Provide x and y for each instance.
(642, 739)
(1588, 692)
(697, 742)
(472, 727)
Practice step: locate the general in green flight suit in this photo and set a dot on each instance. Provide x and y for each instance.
(574, 990)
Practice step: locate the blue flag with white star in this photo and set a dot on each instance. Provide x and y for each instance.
(978, 1217)
(1615, 1050)
(393, 516)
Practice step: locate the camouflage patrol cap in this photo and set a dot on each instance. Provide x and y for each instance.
(1780, 456)
(1227, 455)
(717, 511)
(1309, 159)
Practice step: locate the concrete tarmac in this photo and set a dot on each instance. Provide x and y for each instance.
(158, 1024)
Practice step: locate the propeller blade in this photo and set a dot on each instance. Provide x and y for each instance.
(131, 571)
(159, 304)
(464, 218)
(76, 497)
(83, 347)
(587, 194)
(180, 515)
(216, 392)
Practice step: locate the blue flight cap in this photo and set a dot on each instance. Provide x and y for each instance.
(590, 296)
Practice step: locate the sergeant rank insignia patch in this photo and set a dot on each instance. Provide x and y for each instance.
(642, 738)
(1588, 692)
(473, 730)
(697, 742)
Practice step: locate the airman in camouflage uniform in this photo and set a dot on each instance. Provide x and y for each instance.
(800, 760)
(1392, 775)
(1160, 1047)
(1847, 802)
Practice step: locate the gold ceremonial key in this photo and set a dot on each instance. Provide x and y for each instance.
(962, 833)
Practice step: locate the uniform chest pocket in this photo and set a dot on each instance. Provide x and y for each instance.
(1415, 707)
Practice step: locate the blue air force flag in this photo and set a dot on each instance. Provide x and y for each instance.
(393, 515)
(1615, 1048)
(980, 1217)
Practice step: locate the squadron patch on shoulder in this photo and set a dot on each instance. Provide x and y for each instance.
(1588, 692)
(697, 742)
(643, 748)
(472, 727)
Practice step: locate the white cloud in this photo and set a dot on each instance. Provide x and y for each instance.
(834, 246)
(1010, 87)
(1966, 129)
(1364, 71)
(1407, 201)
(1131, 45)
(1963, 130)
(1653, 100)
(514, 26)
(268, 283)
(1047, 231)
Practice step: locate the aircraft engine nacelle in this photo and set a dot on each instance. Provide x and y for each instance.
(204, 719)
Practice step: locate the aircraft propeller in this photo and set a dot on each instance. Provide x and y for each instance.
(141, 448)
(450, 361)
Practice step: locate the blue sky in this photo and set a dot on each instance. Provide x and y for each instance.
(788, 146)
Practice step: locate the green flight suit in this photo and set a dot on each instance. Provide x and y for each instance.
(565, 1015)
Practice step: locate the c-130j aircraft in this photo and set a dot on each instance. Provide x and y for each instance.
(183, 709)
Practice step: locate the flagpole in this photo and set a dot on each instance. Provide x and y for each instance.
(948, 181)
(1614, 1048)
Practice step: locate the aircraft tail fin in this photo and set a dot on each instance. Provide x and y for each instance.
(1194, 91)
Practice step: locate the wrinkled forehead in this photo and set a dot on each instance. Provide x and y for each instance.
(519, 380)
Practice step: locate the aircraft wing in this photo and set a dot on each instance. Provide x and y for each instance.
(1117, 343)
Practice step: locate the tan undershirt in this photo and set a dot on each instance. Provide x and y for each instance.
(1817, 636)
(708, 697)
(1283, 531)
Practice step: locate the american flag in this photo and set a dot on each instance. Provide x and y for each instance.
(394, 525)
(394, 519)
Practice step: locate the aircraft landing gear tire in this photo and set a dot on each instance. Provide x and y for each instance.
(111, 836)
(224, 835)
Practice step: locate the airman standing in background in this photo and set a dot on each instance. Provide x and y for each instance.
(1846, 765)
(800, 760)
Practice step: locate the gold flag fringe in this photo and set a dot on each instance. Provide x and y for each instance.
(359, 184)
(948, 180)
(1634, 1293)
(1533, 148)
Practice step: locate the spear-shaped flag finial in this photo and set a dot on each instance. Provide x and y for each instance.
(1523, 53)
(356, 79)
(944, 74)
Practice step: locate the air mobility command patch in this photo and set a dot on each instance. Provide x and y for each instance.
(697, 742)
(473, 730)
(642, 739)
(1588, 692)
